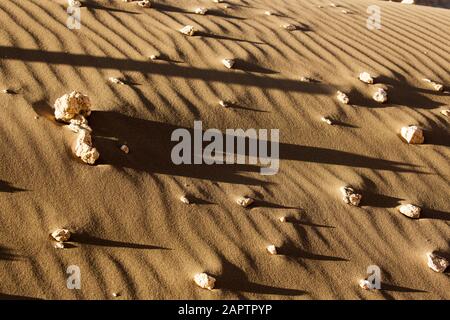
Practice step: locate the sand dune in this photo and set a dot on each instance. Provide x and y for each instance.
(134, 236)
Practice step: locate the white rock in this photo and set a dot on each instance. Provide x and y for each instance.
(145, 3)
(125, 149)
(204, 281)
(59, 245)
(342, 97)
(116, 80)
(350, 196)
(61, 235)
(8, 91)
(436, 86)
(327, 120)
(185, 199)
(446, 112)
(412, 134)
(225, 103)
(380, 95)
(365, 284)
(116, 294)
(188, 30)
(155, 56)
(410, 210)
(272, 249)
(437, 263)
(408, 2)
(244, 201)
(366, 77)
(268, 13)
(283, 219)
(201, 11)
(229, 63)
(84, 148)
(289, 27)
(71, 105)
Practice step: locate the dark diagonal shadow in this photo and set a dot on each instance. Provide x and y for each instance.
(234, 279)
(93, 6)
(168, 70)
(222, 37)
(435, 214)
(292, 251)
(4, 296)
(394, 288)
(8, 188)
(151, 147)
(95, 241)
(7, 254)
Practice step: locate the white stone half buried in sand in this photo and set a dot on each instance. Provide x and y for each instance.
(436, 262)
(59, 245)
(327, 120)
(380, 95)
(408, 1)
(366, 77)
(229, 63)
(185, 199)
(244, 201)
(365, 284)
(204, 281)
(145, 3)
(350, 196)
(410, 210)
(125, 149)
(272, 249)
(342, 97)
(188, 30)
(225, 103)
(71, 105)
(446, 112)
(84, 148)
(116, 80)
(289, 27)
(412, 134)
(436, 86)
(61, 235)
(201, 11)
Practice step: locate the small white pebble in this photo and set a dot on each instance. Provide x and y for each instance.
(204, 281)
(244, 201)
(229, 63)
(272, 249)
(125, 148)
(342, 97)
(115, 80)
(327, 120)
(185, 199)
(59, 245)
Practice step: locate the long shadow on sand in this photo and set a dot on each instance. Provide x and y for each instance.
(95, 241)
(151, 146)
(250, 78)
(234, 279)
(8, 188)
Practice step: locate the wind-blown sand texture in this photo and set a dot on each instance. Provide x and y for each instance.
(133, 235)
